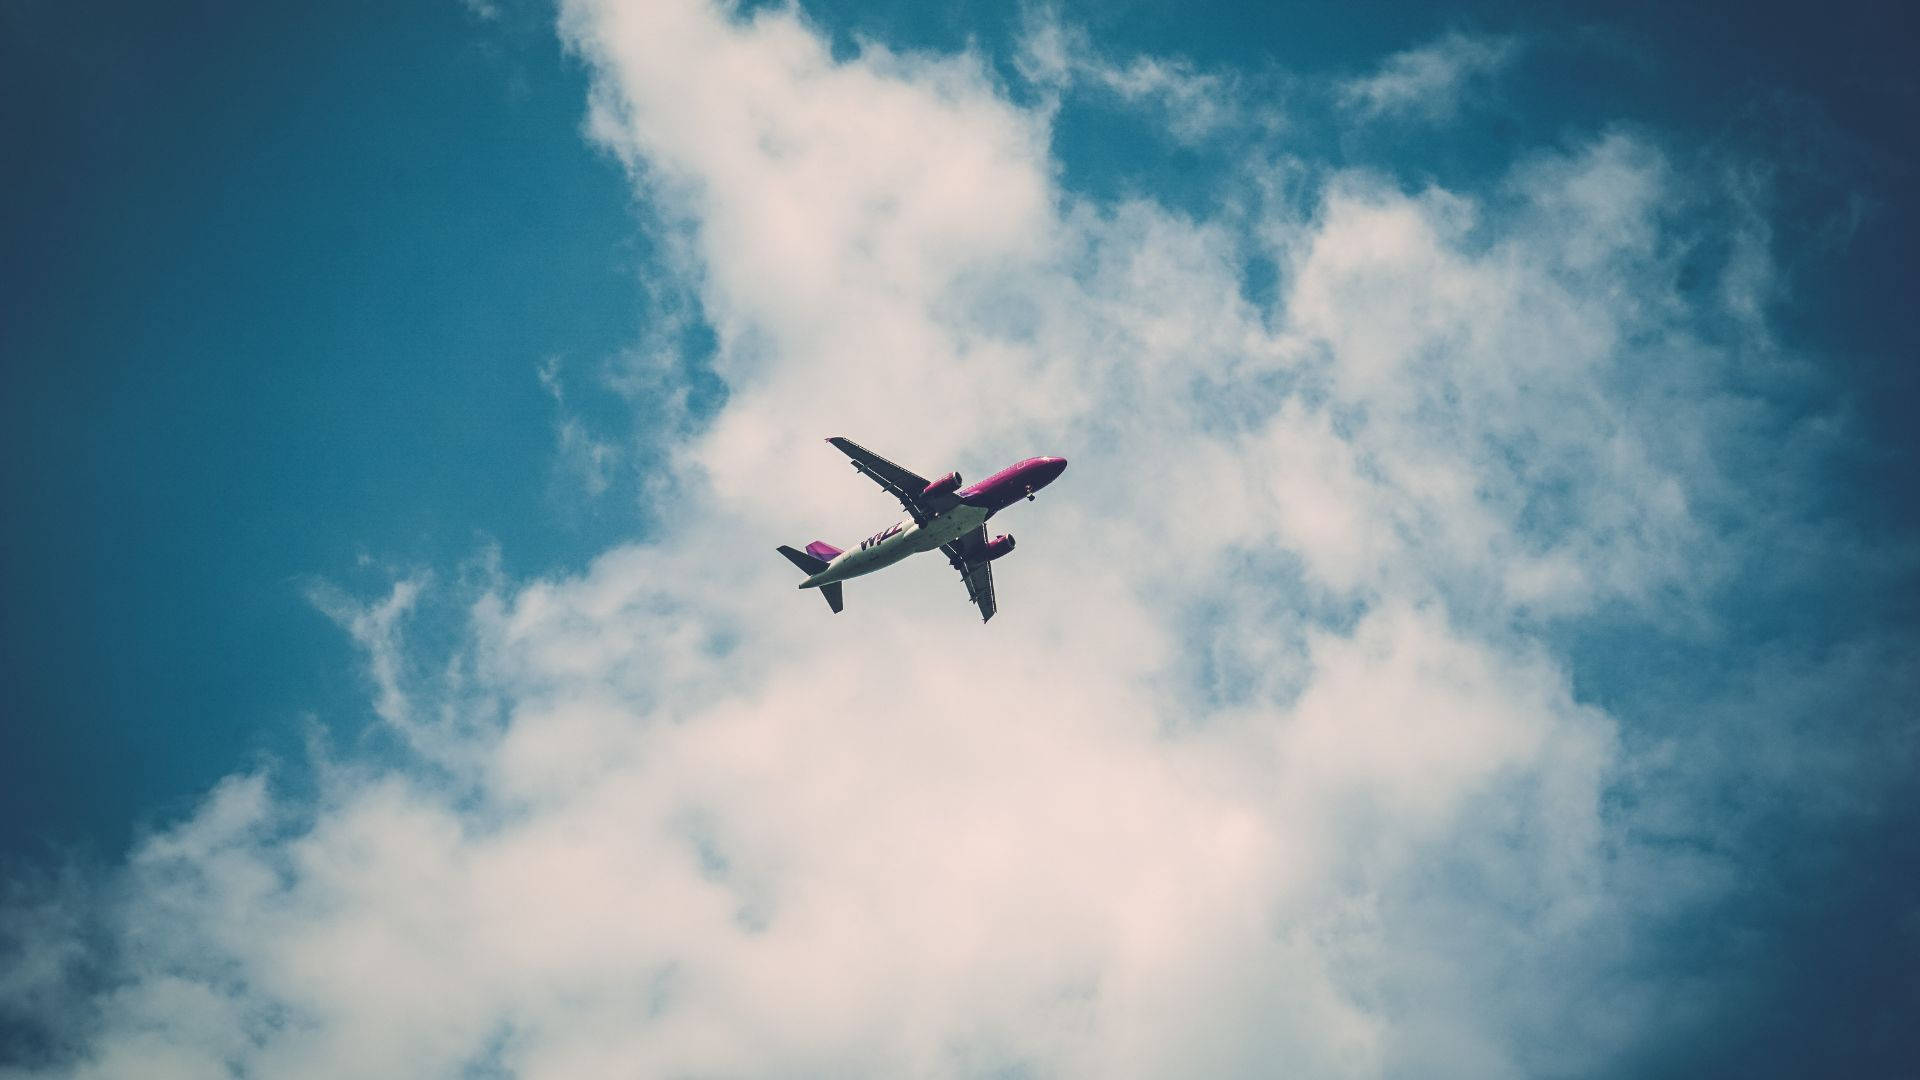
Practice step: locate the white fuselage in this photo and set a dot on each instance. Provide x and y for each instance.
(899, 540)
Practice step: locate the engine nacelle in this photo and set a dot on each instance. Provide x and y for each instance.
(942, 486)
(998, 546)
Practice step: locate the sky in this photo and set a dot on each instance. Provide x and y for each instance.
(1476, 635)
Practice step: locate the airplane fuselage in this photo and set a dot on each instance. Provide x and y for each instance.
(941, 516)
(899, 540)
(978, 502)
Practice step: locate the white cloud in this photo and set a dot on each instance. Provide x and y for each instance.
(1189, 105)
(673, 818)
(585, 458)
(1429, 82)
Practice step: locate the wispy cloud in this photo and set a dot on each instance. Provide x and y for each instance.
(1430, 82)
(585, 457)
(1190, 105)
(665, 819)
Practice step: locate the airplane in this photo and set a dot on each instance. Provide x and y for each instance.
(941, 514)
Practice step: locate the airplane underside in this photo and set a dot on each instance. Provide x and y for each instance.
(910, 539)
(943, 517)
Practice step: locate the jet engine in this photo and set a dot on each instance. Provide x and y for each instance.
(942, 486)
(998, 546)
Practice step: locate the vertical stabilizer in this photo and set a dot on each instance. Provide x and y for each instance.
(810, 562)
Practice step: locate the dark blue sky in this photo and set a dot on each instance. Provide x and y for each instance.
(276, 287)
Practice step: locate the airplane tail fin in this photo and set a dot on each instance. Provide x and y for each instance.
(812, 562)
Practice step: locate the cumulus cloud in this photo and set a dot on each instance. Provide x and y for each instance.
(1431, 81)
(1270, 762)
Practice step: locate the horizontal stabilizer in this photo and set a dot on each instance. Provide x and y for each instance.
(832, 593)
(812, 564)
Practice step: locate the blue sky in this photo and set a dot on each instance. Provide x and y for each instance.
(1493, 419)
(275, 308)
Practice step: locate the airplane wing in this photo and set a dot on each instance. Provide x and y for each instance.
(903, 484)
(975, 571)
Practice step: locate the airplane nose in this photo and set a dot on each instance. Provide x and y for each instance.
(1054, 467)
